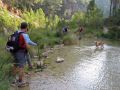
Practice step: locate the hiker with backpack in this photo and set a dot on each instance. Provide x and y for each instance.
(17, 45)
(65, 30)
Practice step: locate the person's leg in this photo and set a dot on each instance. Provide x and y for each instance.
(18, 67)
(15, 70)
(79, 36)
(21, 74)
(22, 82)
(21, 59)
(28, 60)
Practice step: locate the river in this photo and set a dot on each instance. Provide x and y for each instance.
(84, 68)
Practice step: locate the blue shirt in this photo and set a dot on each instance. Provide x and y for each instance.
(27, 39)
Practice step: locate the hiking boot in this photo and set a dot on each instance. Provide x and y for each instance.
(14, 83)
(30, 67)
(23, 84)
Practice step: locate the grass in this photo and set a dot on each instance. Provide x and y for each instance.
(93, 32)
(5, 65)
(69, 39)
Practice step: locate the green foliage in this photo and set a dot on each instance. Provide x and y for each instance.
(69, 39)
(53, 22)
(4, 85)
(8, 20)
(36, 19)
(114, 33)
(93, 32)
(77, 19)
(45, 37)
(113, 20)
(56, 21)
(62, 23)
(38, 1)
(94, 16)
(5, 65)
(91, 6)
(113, 24)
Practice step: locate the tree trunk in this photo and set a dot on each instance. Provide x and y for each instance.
(110, 8)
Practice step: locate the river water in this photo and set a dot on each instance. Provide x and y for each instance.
(84, 68)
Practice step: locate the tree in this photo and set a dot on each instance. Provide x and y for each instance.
(22, 4)
(52, 7)
(114, 6)
(91, 6)
(94, 16)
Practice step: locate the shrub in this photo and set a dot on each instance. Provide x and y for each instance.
(77, 19)
(9, 21)
(35, 18)
(5, 65)
(113, 33)
(69, 39)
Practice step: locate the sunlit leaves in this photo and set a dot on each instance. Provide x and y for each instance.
(37, 1)
(9, 20)
(77, 19)
(37, 18)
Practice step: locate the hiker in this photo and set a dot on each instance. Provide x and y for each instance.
(20, 52)
(65, 30)
(79, 32)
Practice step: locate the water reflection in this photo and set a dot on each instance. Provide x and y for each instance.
(88, 72)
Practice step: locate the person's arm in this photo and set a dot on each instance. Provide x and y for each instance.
(28, 41)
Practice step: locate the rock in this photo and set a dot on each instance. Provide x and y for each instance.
(39, 64)
(45, 54)
(59, 60)
(51, 48)
(35, 56)
(58, 46)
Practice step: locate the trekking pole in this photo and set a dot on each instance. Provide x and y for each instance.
(38, 47)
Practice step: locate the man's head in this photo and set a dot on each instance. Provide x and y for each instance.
(24, 26)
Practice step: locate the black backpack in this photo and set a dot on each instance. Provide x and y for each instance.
(12, 44)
